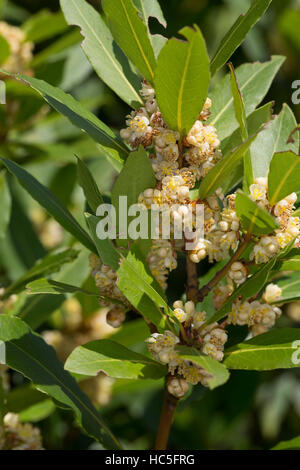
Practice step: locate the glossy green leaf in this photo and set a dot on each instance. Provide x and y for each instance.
(181, 91)
(136, 176)
(253, 218)
(150, 9)
(104, 54)
(240, 115)
(44, 267)
(114, 360)
(139, 287)
(134, 281)
(131, 33)
(49, 286)
(276, 349)
(238, 104)
(284, 176)
(216, 178)
(4, 49)
(292, 444)
(254, 82)
(62, 44)
(290, 262)
(273, 139)
(147, 9)
(105, 248)
(5, 204)
(219, 373)
(255, 121)
(44, 25)
(28, 353)
(65, 104)
(290, 286)
(50, 202)
(237, 33)
(38, 308)
(89, 185)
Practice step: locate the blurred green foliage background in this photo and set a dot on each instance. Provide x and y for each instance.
(253, 410)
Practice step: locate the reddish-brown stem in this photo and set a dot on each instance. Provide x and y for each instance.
(166, 420)
(192, 290)
(219, 276)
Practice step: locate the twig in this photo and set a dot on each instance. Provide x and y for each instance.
(219, 276)
(166, 420)
(192, 288)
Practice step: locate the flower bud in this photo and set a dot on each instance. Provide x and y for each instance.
(177, 387)
(116, 317)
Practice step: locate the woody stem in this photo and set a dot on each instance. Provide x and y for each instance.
(166, 420)
(219, 276)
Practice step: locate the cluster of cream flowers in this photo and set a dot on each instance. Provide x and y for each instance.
(221, 229)
(209, 340)
(259, 316)
(178, 165)
(162, 260)
(106, 281)
(17, 436)
(20, 49)
(270, 245)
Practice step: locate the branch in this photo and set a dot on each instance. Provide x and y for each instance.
(166, 420)
(219, 276)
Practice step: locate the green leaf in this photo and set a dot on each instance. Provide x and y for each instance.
(67, 41)
(248, 289)
(50, 202)
(147, 9)
(134, 281)
(274, 138)
(37, 412)
(65, 104)
(49, 286)
(136, 176)
(4, 49)
(254, 82)
(216, 178)
(219, 373)
(48, 265)
(28, 353)
(273, 350)
(105, 248)
(292, 444)
(290, 262)
(44, 25)
(108, 60)
(290, 286)
(255, 121)
(130, 32)
(284, 176)
(289, 26)
(5, 204)
(238, 104)
(237, 33)
(114, 360)
(181, 91)
(254, 219)
(150, 9)
(89, 186)
(37, 309)
(240, 115)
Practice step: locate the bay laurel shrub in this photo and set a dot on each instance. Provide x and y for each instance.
(185, 143)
